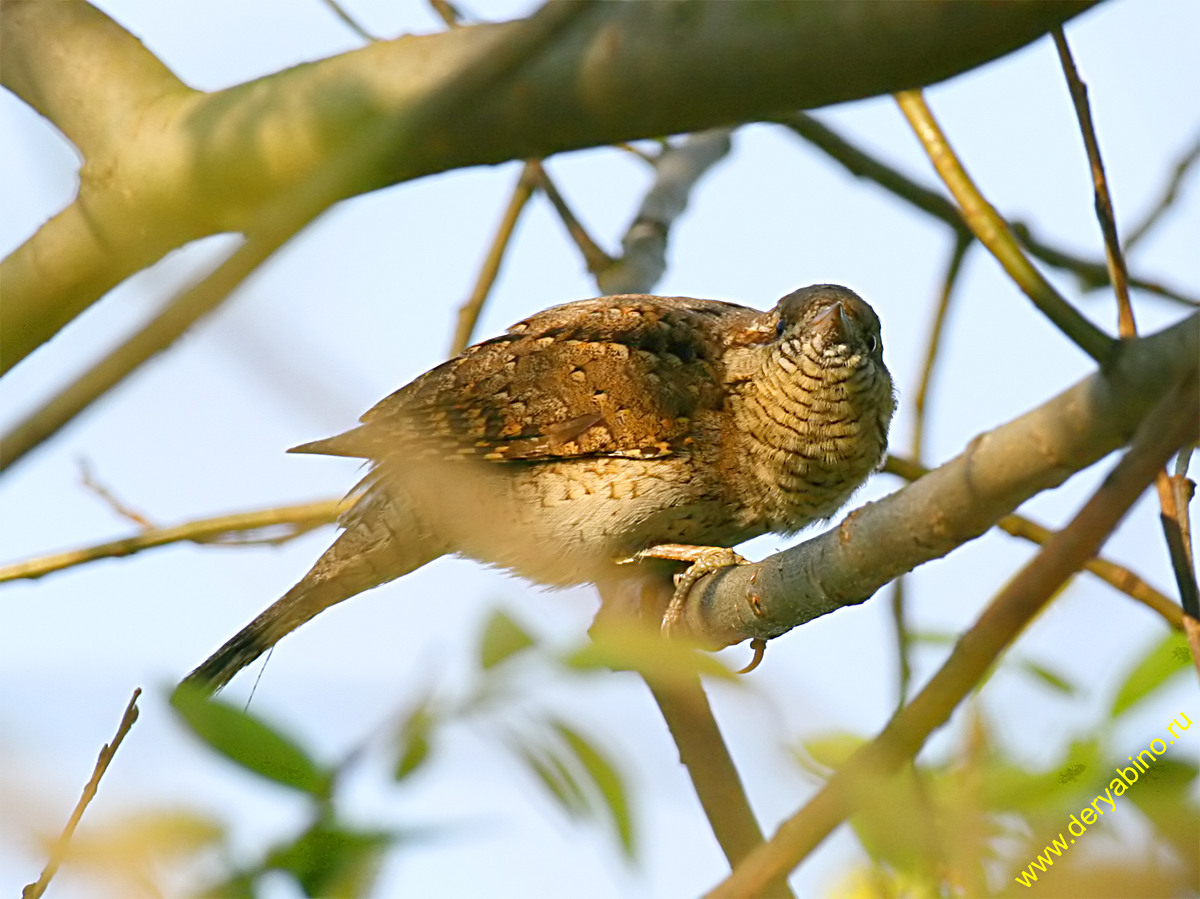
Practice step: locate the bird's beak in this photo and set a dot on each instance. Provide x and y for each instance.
(831, 324)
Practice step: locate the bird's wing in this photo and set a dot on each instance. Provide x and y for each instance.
(617, 376)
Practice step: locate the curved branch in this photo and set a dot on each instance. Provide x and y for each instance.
(197, 164)
(1162, 432)
(949, 506)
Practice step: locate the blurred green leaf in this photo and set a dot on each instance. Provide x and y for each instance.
(502, 639)
(634, 648)
(238, 886)
(251, 743)
(328, 860)
(414, 741)
(1048, 677)
(831, 750)
(1168, 657)
(608, 782)
(548, 766)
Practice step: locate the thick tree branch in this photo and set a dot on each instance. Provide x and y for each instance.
(289, 212)
(198, 164)
(1162, 432)
(952, 504)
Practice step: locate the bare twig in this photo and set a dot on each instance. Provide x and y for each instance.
(1162, 433)
(1091, 274)
(962, 243)
(1118, 274)
(297, 519)
(1169, 195)
(349, 21)
(59, 852)
(1117, 576)
(127, 512)
(448, 12)
(677, 170)
(993, 232)
(593, 254)
(1174, 512)
(921, 400)
(714, 776)
(689, 717)
(468, 313)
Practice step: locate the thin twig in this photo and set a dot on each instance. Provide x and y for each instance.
(299, 519)
(1169, 195)
(1118, 274)
(448, 12)
(677, 170)
(962, 243)
(468, 313)
(59, 852)
(1091, 274)
(1174, 513)
(88, 480)
(689, 717)
(718, 785)
(593, 255)
(993, 232)
(1163, 432)
(1117, 576)
(349, 21)
(921, 400)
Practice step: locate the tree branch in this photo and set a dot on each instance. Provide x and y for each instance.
(198, 164)
(952, 504)
(994, 232)
(107, 752)
(298, 519)
(1162, 432)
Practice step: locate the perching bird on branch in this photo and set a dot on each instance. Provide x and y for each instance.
(596, 432)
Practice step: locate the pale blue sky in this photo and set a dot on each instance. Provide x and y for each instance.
(366, 300)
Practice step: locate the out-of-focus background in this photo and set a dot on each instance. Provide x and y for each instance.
(367, 298)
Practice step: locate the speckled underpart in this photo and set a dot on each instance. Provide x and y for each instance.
(596, 429)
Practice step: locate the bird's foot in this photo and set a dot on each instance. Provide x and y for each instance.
(704, 560)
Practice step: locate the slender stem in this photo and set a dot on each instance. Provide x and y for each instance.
(298, 519)
(1118, 274)
(1174, 514)
(686, 710)
(861, 164)
(59, 852)
(468, 313)
(994, 233)
(1170, 193)
(593, 254)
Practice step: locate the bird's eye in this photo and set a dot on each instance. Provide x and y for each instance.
(872, 343)
(780, 326)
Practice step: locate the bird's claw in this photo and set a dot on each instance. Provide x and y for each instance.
(703, 560)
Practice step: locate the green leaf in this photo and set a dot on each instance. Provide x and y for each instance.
(548, 766)
(1048, 677)
(608, 781)
(331, 861)
(414, 741)
(502, 639)
(831, 750)
(251, 743)
(1167, 658)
